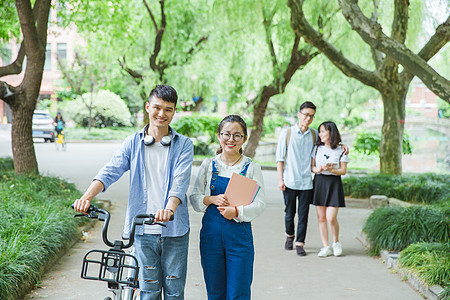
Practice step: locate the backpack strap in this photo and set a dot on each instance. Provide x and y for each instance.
(313, 133)
(288, 137)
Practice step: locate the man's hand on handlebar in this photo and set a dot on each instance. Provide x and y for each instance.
(164, 215)
(81, 205)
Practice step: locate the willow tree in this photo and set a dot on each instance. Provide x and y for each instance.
(385, 74)
(33, 20)
(283, 67)
(145, 38)
(262, 53)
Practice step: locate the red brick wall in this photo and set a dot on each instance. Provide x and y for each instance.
(422, 100)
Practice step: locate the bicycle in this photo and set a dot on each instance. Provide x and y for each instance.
(60, 141)
(118, 268)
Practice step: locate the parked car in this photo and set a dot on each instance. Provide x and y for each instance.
(43, 125)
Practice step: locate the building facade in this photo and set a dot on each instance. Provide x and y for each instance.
(61, 43)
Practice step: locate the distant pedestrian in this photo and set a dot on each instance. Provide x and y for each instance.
(226, 239)
(59, 123)
(328, 162)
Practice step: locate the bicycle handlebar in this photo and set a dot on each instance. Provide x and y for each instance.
(103, 215)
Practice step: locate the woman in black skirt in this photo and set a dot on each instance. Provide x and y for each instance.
(328, 163)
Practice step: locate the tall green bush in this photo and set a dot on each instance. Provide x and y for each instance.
(197, 124)
(368, 143)
(6, 163)
(417, 188)
(108, 109)
(272, 122)
(201, 128)
(395, 228)
(352, 122)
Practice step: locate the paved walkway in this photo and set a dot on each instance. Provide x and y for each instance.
(278, 274)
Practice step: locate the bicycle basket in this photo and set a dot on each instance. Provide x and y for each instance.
(111, 266)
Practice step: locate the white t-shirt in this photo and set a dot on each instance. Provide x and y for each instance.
(326, 155)
(155, 160)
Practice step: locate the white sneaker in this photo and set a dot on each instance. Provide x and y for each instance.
(325, 251)
(337, 249)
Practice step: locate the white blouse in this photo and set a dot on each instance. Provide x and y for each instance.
(323, 155)
(201, 187)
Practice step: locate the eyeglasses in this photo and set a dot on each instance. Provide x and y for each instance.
(307, 116)
(237, 137)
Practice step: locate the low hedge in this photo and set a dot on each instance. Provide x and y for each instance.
(431, 263)
(36, 222)
(416, 188)
(395, 228)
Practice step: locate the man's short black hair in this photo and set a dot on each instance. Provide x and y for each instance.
(307, 104)
(165, 92)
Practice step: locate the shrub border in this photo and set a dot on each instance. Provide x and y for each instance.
(391, 260)
(27, 287)
(430, 292)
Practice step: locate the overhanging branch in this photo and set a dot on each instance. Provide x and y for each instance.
(16, 66)
(372, 34)
(301, 26)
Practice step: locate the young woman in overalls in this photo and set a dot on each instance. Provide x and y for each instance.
(226, 239)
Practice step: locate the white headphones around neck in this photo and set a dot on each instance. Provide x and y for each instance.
(150, 140)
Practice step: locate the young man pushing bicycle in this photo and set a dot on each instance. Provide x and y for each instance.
(159, 160)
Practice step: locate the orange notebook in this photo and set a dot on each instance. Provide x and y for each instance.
(241, 190)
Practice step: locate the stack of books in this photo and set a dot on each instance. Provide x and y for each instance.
(241, 190)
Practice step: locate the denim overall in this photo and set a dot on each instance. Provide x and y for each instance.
(226, 248)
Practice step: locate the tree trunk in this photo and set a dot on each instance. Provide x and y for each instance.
(258, 119)
(392, 130)
(21, 136)
(33, 24)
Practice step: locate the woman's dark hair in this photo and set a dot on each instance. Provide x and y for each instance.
(335, 137)
(165, 92)
(232, 119)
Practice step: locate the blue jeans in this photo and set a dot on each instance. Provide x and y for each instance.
(162, 265)
(290, 200)
(226, 249)
(227, 255)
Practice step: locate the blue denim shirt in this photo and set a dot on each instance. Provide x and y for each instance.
(297, 170)
(130, 156)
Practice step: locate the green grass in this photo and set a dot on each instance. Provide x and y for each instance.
(415, 188)
(395, 228)
(109, 133)
(36, 222)
(6, 164)
(430, 261)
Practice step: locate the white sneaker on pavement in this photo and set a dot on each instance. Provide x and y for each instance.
(325, 251)
(337, 249)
